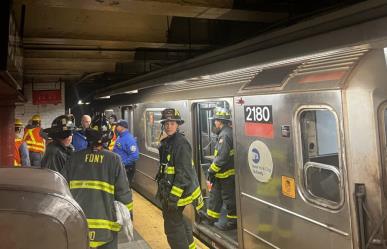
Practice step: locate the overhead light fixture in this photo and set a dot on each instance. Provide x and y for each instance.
(131, 92)
(109, 110)
(87, 103)
(80, 102)
(105, 97)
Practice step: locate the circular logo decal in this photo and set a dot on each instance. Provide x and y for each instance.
(260, 161)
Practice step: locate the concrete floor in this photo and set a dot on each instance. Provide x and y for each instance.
(149, 228)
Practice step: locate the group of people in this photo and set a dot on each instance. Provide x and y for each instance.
(96, 176)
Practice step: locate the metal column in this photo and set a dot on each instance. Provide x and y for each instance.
(7, 135)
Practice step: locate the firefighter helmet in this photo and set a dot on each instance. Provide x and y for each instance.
(221, 113)
(36, 117)
(100, 130)
(61, 127)
(171, 114)
(18, 123)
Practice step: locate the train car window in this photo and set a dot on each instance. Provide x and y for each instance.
(152, 130)
(272, 77)
(320, 156)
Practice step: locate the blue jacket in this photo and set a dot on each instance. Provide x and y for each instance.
(79, 141)
(126, 147)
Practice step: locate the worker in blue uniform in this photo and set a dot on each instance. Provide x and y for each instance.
(126, 147)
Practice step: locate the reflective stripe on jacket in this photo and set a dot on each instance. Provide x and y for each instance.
(223, 163)
(179, 170)
(35, 142)
(16, 153)
(97, 178)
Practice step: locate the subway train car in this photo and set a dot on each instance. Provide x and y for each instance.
(309, 125)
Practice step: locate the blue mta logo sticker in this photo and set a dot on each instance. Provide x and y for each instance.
(256, 155)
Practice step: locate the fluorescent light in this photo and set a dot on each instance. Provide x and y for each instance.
(87, 103)
(104, 97)
(109, 110)
(131, 92)
(80, 102)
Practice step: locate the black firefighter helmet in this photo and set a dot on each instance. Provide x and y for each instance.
(100, 130)
(61, 127)
(171, 114)
(221, 113)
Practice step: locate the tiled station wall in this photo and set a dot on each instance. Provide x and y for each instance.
(47, 112)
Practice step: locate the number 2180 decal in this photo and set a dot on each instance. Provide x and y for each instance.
(258, 114)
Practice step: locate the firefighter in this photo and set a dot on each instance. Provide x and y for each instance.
(126, 147)
(96, 178)
(178, 184)
(35, 141)
(113, 122)
(60, 149)
(21, 155)
(222, 173)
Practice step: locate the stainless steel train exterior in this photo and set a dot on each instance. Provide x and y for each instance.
(310, 141)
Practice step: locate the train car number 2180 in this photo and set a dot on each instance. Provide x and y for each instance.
(258, 114)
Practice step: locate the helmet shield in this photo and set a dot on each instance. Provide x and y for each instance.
(221, 113)
(171, 114)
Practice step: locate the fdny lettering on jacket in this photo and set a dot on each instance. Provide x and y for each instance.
(94, 158)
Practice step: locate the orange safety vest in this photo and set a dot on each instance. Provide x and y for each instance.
(35, 142)
(113, 141)
(16, 153)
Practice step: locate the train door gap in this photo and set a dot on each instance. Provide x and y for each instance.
(204, 144)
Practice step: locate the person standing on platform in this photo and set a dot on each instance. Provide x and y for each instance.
(178, 184)
(97, 178)
(21, 155)
(79, 138)
(126, 147)
(60, 149)
(222, 173)
(113, 122)
(35, 141)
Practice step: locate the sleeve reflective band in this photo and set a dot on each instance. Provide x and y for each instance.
(97, 243)
(225, 174)
(129, 206)
(216, 152)
(170, 170)
(213, 214)
(98, 185)
(189, 199)
(214, 168)
(232, 216)
(169, 157)
(177, 191)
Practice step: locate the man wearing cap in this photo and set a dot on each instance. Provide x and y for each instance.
(60, 149)
(126, 147)
(21, 156)
(178, 184)
(79, 138)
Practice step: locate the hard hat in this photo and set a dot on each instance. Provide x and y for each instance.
(100, 130)
(18, 123)
(171, 114)
(36, 117)
(61, 127)
(221, 113)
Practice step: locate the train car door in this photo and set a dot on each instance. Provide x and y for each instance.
(290, 156)
(204, 145)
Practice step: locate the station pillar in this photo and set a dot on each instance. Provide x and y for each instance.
(7, 135)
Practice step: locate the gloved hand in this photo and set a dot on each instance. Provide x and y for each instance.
(211, 177)
(171, 206)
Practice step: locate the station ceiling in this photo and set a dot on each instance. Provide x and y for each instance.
(90, 44)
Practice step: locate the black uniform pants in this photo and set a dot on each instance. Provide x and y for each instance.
(177, 229)
(130, 170)
(223, 191)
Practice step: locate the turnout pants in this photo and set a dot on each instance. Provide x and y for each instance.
(222, 191)
(177, 229)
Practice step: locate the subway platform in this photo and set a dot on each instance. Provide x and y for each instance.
(148, 226)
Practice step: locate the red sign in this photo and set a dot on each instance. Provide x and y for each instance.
(46, 97)
(259, 130)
